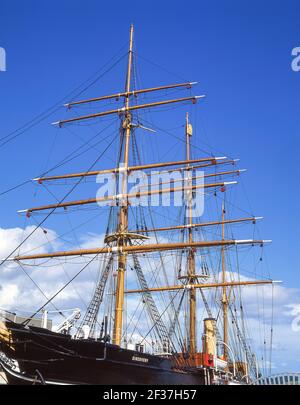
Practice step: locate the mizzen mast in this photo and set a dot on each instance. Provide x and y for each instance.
(224, 289)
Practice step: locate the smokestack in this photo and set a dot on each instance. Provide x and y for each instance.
(209, 338)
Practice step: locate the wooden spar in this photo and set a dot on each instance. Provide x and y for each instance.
(130, 108)
(193, 167)
(142, 248)
(123, 212)
(191, 254)
(198, 225)
(224, 300)
(196, 177)
(130, 93)
(213, 161)
(124, 197)
(208, 285)
(224, 162)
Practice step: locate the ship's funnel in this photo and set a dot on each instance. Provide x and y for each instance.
(209, 337)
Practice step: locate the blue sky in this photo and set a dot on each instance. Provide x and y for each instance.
(239, 52)
(240, 55)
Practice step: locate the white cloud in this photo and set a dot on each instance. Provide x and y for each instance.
(11, 238)
(18, 292)
(8, 295)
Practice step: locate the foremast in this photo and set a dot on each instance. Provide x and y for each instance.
(123, 212)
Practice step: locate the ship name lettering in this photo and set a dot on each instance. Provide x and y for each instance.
(142, 359)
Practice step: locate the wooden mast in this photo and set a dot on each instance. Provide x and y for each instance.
(211, 162)
(197, 225)
(140, 248)
(224, 293)
(116, 96)
(203, 286)
(191, 252)
(126, 197)
(123, 214)
(129, 108)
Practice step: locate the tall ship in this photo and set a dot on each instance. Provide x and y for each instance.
(167, 305)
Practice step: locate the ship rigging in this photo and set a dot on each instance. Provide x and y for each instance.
(177, 279)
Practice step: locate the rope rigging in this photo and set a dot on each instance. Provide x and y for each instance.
(90, 318)
(152, 309)
(171, 306)
(55, 107)
(53, 210)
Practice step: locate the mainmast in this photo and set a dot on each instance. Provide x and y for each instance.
(123, 214)
(224, 293)
(191, 252)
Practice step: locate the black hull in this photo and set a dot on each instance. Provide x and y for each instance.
(35, 355)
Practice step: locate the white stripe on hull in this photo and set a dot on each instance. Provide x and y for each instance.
(29, 379)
